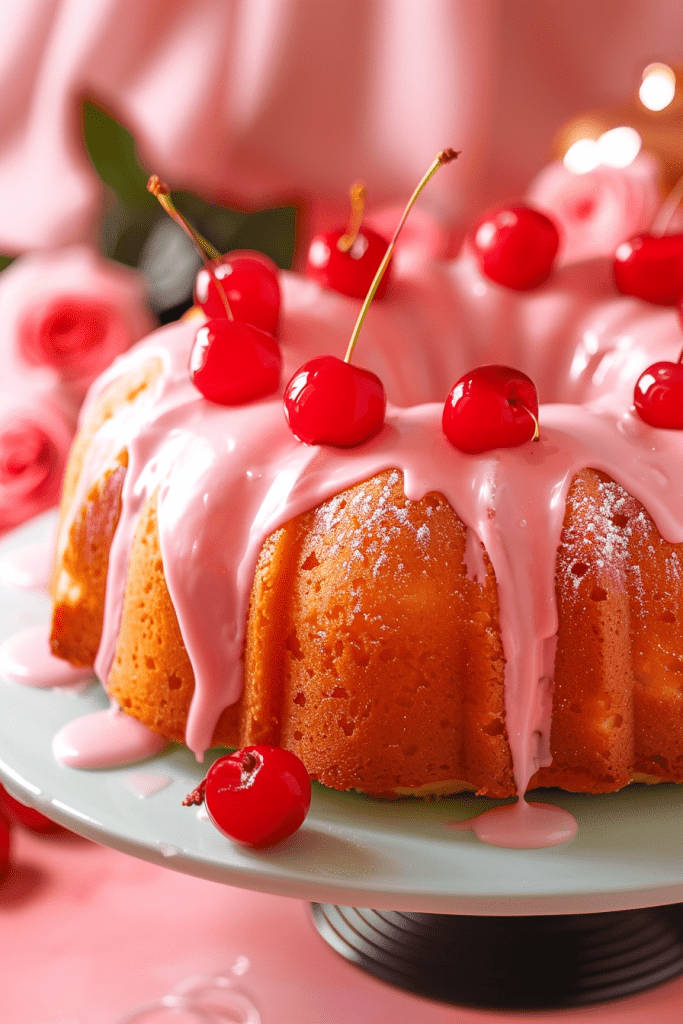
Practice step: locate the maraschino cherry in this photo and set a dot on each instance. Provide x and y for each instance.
(658, 395)
(515, 246)
(346, 260)
(650, 266)
(250, 284)
(232, 361)
(246, 280)
(256, 796)
(491, 407)
(331, 401)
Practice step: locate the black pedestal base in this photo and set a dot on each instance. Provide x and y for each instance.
(513, 963)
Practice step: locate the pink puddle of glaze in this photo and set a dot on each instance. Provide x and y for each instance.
(28, 567)
(105, 739)
(26, 658)
(521, 826)
(77, 688)
(144, 784)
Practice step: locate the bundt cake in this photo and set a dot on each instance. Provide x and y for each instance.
(406, 618)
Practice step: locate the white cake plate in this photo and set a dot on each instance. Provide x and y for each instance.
(351, 850)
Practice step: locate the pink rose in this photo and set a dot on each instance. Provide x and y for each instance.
(77, 335)
(66, 314)
(35, 436)
(600, 209)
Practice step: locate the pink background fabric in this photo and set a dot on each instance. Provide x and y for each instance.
(257, 102)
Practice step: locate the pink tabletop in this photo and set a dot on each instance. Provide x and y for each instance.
(87, 934)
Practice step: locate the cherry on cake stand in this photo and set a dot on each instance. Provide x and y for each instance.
(598, 918)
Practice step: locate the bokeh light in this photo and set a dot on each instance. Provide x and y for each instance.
(619, 146)
(582, 156)
(658, 87)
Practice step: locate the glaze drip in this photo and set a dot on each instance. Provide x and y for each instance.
(26, 658)
(28, 567)
(105, 739)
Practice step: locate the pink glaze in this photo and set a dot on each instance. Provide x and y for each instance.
(105, 739)
(26, 658)
(521, 826)
(28, 567)
(144, 784)
(227, 477)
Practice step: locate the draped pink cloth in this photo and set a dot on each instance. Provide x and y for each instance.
(255, 102)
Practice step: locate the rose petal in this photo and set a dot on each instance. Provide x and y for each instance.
(34, 441)
(600, 209)
(66, 314)
(76, 334)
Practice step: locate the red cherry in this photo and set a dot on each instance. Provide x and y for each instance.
(251, 287)
(233, 362)
(256, 796)
(251, 278)
(352, 272)
(329, 401)
(651, 268)
(26, 816)
(515, 246)
(658, 395)
(491, 407)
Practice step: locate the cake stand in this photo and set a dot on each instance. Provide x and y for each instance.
(597, 918)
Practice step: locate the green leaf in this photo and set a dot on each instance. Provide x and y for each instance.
(112, 152)
(132, 212)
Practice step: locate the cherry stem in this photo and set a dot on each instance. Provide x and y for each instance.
(207, 252)
(444, 157)
(162, 192)
(356, 219)
(537, 427)
(196, 797)
(667, 209)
